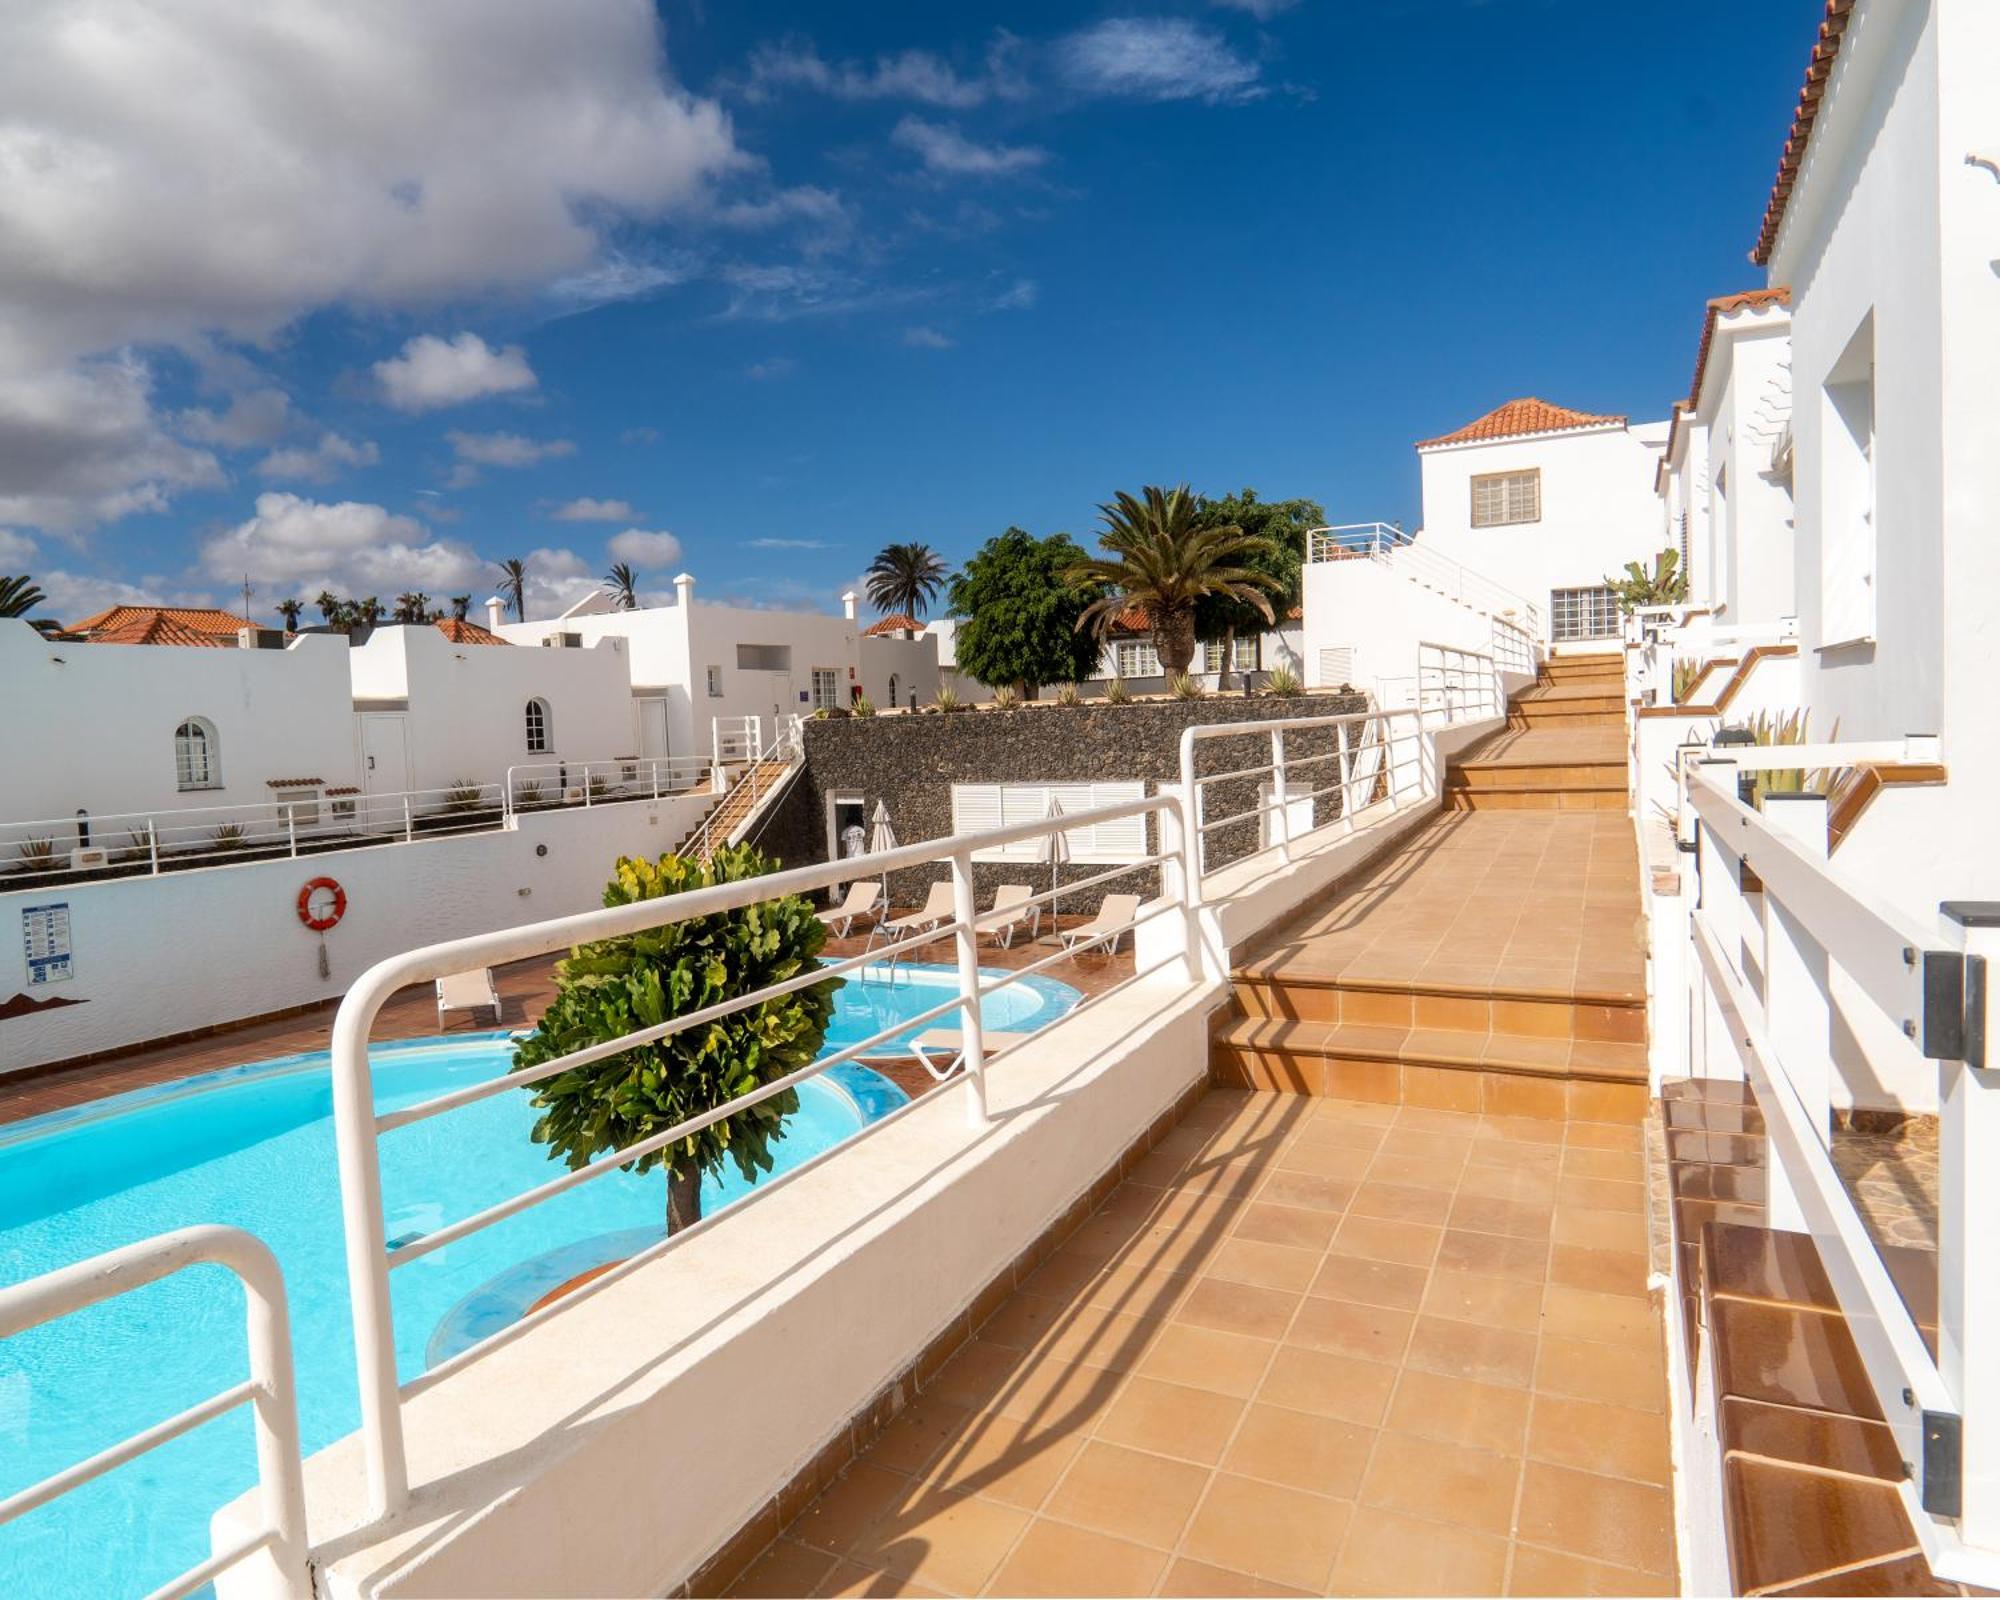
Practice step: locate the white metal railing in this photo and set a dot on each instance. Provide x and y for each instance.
(358, 1126)
(769, 772)
(166, 840)
(1408, 555)
(1513, 647)
(1764, 1007)
(544, 785)
(1458, 681)
(733, 740)
(269, 1391)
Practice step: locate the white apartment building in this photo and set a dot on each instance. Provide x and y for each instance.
(1547, 501)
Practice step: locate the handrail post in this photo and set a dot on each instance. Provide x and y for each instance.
(153, 843)
(292, 828)
(972, 1030)
(275, 1417)
(586, 786)
(1281, 820)
(1968, 1187)
(409, 821)
(355, 1144)
(1797, 1008)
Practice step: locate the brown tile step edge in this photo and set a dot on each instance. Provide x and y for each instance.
(1570, 797)
(1597, 1008)
(1602, 1060)
(1480, 1088)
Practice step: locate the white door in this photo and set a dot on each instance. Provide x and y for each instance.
(653, 726)
(385, 757)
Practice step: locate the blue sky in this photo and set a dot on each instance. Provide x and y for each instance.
(820, 277)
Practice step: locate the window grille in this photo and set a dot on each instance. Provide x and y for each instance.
(1500, 498)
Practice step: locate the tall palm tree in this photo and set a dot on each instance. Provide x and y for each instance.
(369, 612)
(1160, 559)
(905, 579)
(290, 611)
(460, 604)
(414, 606)
(514, 587)
(329, 605)
(624, 586)
(19, 596)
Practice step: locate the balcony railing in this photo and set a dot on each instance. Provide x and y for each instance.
(1789, 954)
(1406, 554)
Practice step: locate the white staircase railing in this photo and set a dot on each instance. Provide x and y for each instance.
(771, 771)
(1404, 553)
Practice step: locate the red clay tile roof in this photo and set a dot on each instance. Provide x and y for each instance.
(888, 625)
(1523, 416)
(458, 631)
(126, 621)
(160, 629)
(1832, 29)
(1722, 306)
(293, 783)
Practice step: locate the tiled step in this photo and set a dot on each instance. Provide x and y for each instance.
(1571, 1010)
(1551, 774)
(1569, 797)
(1608, 664)
(1602, 710)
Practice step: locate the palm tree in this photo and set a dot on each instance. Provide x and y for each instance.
(19, 596)
(290, 611)
(514, 587)
(413, 607)
(624, 586)
(905, 578)
(369, 612)
(460, 604)
(1159, 558)
(329, 605)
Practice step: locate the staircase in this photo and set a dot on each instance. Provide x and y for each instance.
(729, 821)
(1563, 748)
(1492, 962)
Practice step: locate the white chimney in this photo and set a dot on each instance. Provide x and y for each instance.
(684, 590)
(847, 604)
(496, 612)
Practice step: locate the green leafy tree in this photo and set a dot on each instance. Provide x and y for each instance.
(1665, 585)
(624, 585)
(905, 578)
(19, 596)
(1019, 613)
(1221, 617)
(514, 586)
(1162, 557)
(616, 986)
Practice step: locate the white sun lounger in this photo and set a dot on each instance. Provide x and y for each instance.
(1010, 911)
(937, 908)
(949, 1043)
(1117, 910)
(861, 901)
(468, 991)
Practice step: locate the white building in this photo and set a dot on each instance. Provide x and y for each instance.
(1725, 482)
(1547, 501)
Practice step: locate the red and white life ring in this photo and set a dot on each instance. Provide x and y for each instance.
(322, 903)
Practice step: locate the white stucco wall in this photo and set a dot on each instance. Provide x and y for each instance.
(160, 955)
(1381, 615)
(912, 664)
(1598, 507)
(467, 704)
(92, 725)
(1745, 404)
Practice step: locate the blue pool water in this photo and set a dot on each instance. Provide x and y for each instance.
(253, 1146)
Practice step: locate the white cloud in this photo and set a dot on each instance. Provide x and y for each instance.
(433, 372)
(788, 544)
(16, 549)
(919, 75)
(807, 203)
(775, 367)
(1020, 295)
(178, 174)
(589, 510)
(1156, 58)
(944, 150)
(81, 444)
(925, 339)
(302, 545)
(557, 579)
(259, 416)
(647, 551)
(321, 462)
(1262, 10)
(72, 596)
(506, 449)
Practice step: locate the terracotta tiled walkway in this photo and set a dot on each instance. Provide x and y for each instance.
(1309, 1346)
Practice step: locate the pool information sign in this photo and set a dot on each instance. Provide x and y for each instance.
(45, 931)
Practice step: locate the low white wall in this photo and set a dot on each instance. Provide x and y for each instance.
(612, 1447)
(160, 955)
(1379, 614)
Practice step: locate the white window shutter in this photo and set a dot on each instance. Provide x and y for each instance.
(1336, 666)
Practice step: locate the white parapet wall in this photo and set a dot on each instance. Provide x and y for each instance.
(611, 1447)
(158, 956)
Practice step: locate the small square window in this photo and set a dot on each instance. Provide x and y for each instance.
(1500, 498)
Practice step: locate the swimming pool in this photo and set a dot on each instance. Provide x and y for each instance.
(253, 1146)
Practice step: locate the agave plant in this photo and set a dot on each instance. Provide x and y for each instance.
(1117, 693)
(231, 836)
(1282, 683)
(1006, 698)
(1186, 686)
(597, 787)
(528, 794)
(947, 699)
(864, 707)
(1686, 675)
(36, 854)
(463, 795)
(1069, 695)
(1770, 729)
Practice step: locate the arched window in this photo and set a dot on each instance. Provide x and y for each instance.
(540, 735)
(892, 689)
(197, 755)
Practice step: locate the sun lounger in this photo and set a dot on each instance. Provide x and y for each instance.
(1117, 910)
(862, 901)
(468, 991)
(937, 908)
(1010, 911)
(949, 1045)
